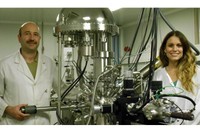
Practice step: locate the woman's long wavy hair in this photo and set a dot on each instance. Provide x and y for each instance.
(186, 65)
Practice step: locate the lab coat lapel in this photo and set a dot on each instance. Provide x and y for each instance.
(22, 66)
(41, 68)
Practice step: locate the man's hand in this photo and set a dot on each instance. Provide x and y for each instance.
(15, 112)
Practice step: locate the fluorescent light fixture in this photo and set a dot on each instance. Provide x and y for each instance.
(86, 18)
(100, 19)
(114, 8)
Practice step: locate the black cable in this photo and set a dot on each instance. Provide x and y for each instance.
(74, 83)
(60, 121)
(133, 111)
(68, 90)
(143, 43)
(136, 33)
(79, 70)
(153, 53)
(165, 20)
(72, 86)
(182, 96)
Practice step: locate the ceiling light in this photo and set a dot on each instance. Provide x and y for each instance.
(114, 8)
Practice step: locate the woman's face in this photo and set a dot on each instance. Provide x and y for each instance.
(174, 49)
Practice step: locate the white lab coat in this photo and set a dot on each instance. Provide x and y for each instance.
(162, 75)
(17, 86)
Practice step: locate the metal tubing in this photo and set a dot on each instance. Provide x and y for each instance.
(59, 72)
(49, 108)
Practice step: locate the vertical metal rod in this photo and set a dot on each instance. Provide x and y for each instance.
(196, 25)
(59, 72)
(42, 49)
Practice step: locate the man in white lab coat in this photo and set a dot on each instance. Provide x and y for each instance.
(26, 78)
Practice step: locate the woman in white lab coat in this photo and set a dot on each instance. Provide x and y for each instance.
(26, 78)
(179, 73)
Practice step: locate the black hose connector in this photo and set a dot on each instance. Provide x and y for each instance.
(29, 109)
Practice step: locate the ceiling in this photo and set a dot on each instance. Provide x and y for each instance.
(48, 15)
(33, 14)
(125, 16)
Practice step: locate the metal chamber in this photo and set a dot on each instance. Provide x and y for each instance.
(90, 32)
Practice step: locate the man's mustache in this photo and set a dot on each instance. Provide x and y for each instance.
(31, 41)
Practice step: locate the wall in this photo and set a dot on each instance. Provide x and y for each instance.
(8, 37)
